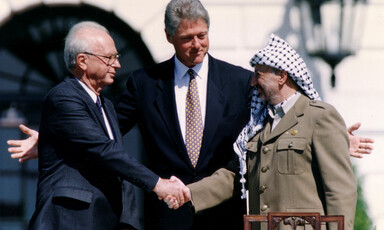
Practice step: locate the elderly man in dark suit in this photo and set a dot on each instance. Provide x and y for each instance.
(82, 164)
(293, 153)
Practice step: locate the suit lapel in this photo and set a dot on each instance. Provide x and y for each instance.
(165, 102)
(214, 106)
(85, 96)
(265, 133)
(166, 105)
(111, 115)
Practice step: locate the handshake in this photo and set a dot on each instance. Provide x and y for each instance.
(173, 192)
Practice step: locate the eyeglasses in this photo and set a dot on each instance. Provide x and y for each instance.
(111, 59)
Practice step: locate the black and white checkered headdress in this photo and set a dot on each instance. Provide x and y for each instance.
(277, 54)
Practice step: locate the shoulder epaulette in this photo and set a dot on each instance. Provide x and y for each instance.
(319, 104)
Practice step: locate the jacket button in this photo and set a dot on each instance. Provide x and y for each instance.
(265, 150)
(262, 188)
(264, 208)
(264, 169)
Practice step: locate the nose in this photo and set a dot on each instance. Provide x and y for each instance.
(116, 64)
(196, 42)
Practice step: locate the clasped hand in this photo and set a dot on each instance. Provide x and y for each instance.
(173, 192)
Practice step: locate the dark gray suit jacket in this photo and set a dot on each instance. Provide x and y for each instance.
(80, 169)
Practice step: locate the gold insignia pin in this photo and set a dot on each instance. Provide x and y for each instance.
(294, 132)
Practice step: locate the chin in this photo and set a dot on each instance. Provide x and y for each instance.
(197, 60)
(109, 82)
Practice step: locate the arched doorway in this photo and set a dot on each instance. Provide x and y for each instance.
(31, 62)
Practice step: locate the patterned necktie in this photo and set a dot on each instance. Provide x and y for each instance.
(279, 113)
(98, 104)
(194, 122)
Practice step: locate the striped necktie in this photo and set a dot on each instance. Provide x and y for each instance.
(98, 104)
(194, 122)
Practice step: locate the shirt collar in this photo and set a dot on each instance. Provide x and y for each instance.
(88, 90)
(200, 69)
(283, 107)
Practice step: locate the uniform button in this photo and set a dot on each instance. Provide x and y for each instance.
(264, 208)
(263, 188)
(265, 150)
(264, 169)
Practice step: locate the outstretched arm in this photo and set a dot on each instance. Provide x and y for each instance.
(358, 146)
(25, 149)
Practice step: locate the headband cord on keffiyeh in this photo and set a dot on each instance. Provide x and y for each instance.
(279, 55)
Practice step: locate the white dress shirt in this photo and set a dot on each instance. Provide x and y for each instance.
(94, 98)
(181, 88)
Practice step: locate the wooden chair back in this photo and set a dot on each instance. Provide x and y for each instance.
(294, 219)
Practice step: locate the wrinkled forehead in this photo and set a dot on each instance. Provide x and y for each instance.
(198, 25)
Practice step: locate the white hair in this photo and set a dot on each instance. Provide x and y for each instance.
(75, 44)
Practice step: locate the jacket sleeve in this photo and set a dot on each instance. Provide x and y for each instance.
(331, 148)
(215, 189)
(70, 123)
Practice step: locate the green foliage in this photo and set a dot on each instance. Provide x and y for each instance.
(362, 219)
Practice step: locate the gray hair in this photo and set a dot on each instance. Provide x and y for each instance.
(178, 10)
(75, 44)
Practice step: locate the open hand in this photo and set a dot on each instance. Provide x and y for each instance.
(25, 149)
(359, 145)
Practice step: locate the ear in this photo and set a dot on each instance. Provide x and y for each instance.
(82, 61)
(283, 77)
(169, 37)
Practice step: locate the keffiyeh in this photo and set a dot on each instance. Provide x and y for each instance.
(280, 55)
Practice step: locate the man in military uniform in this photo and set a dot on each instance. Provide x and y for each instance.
(293, 151)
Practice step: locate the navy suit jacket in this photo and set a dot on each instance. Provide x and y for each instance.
(80, 168)
(149, 101)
